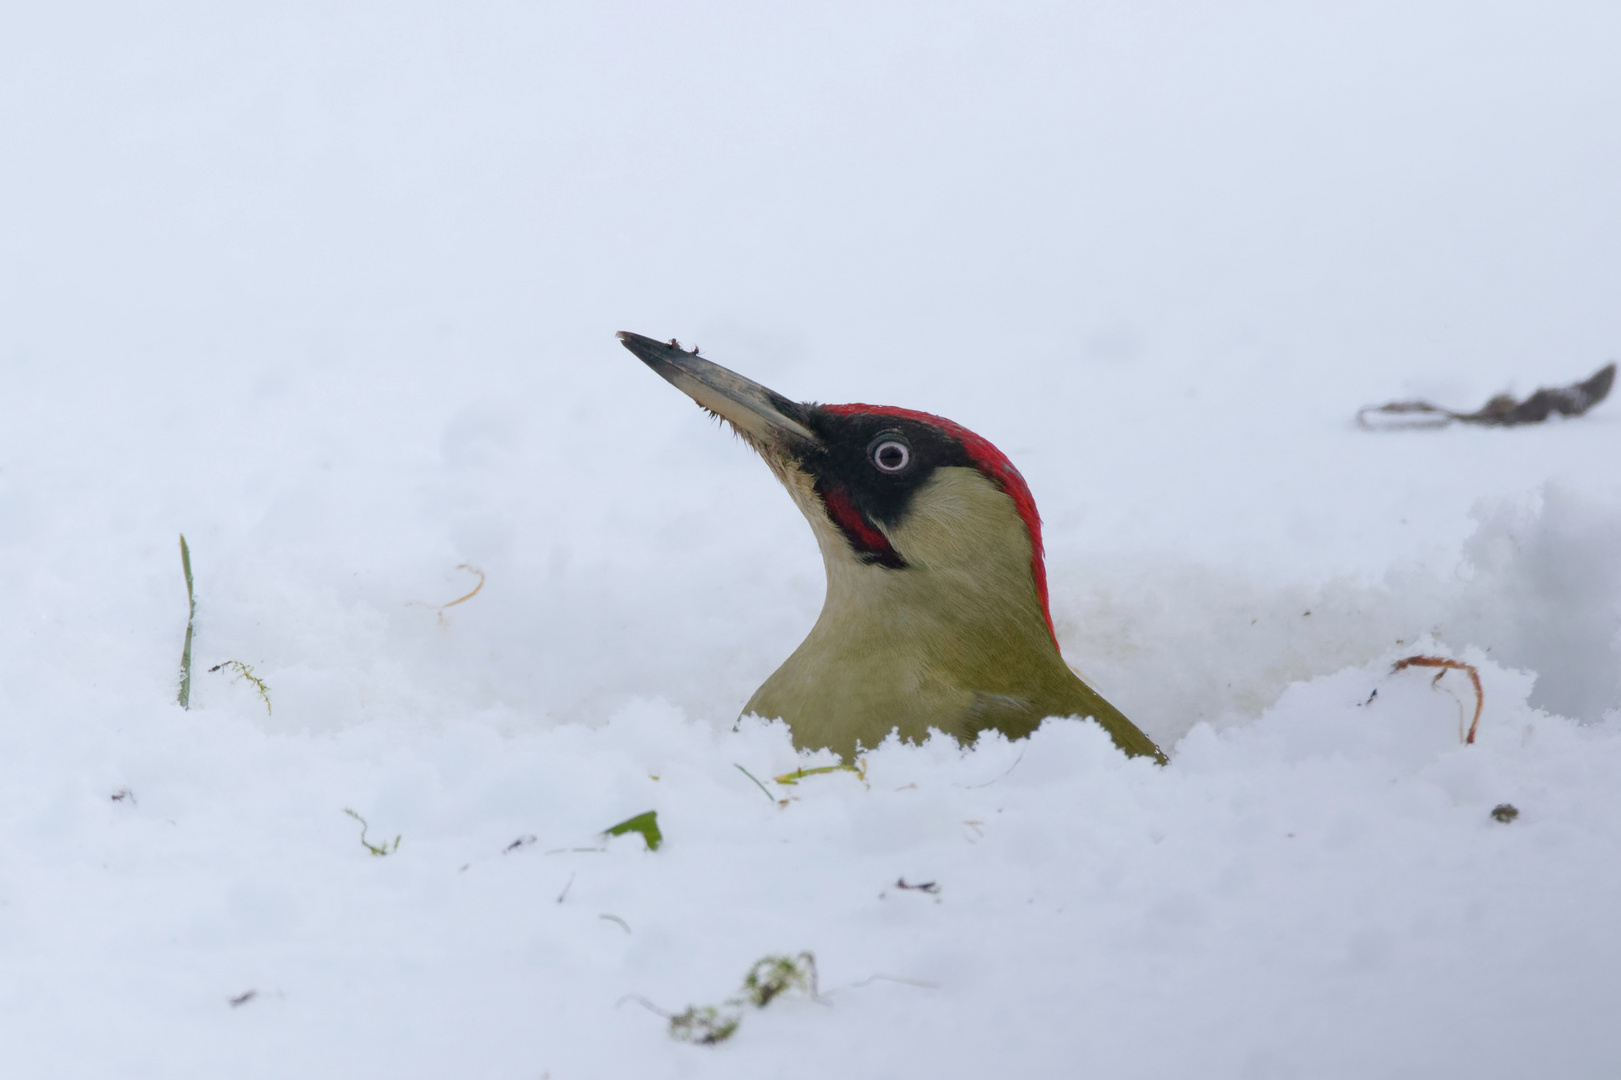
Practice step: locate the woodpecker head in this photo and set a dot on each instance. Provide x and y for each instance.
(936, 613)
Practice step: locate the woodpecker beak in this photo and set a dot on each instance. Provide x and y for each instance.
(761, 416)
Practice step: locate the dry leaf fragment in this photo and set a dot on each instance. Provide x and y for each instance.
(1501, 411)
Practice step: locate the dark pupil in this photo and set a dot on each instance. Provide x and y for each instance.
(890, 456)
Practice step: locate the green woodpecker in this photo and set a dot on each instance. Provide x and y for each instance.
(936, 611)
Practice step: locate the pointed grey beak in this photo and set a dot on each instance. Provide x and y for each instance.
(758, 413)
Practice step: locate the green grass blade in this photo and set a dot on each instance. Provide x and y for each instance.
(191, 617)
(756, 780)
(788, 779)
(646, 824)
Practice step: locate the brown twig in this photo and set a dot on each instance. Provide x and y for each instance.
(469, 596)
(1450, 665)
(440, 609)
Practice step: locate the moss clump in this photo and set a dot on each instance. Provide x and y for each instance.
(770, 977)
(705, 1026)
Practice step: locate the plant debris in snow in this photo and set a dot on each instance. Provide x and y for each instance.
(468, 596)
(184, 697)
(756, 780)
(771, 975)
(378, 850)
(705, 1026)
(1501, 411)
(768, 979)
(646, 825)
(789, 779)
(1449, 665)
(1505, 812)
(245, 671)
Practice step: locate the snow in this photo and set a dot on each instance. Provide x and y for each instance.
(332, 290)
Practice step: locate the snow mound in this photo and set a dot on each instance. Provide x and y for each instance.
(1323, 892)
(1537, 585)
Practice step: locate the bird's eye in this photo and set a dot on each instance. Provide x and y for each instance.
(891, 455)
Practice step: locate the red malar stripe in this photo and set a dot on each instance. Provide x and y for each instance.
(856, 526)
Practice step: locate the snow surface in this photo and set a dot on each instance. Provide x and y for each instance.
(332, 290)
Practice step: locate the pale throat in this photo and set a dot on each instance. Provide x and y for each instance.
(968, 556)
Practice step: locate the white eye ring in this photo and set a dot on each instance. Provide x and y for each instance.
(891, 455)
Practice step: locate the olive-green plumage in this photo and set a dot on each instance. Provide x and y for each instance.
(933, 617)
(956, 641)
